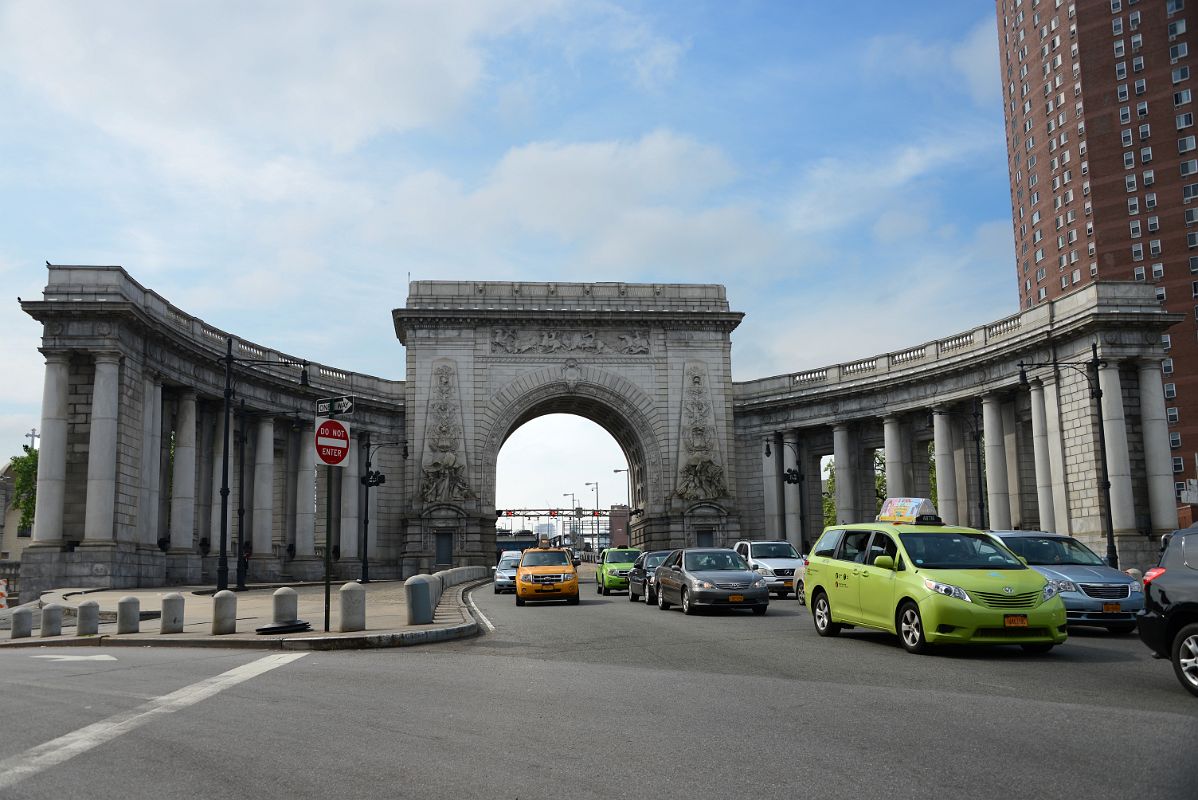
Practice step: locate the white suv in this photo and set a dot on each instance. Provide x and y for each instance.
(778, 562)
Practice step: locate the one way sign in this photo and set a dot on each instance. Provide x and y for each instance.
(335, 406)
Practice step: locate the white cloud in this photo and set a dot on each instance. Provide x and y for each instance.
(973, 62)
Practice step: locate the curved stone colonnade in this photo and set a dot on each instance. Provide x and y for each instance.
(132, 452)
(1039, 449)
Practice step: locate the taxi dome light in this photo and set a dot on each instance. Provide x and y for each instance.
(909, 510)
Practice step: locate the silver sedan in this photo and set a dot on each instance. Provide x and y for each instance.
(710, 576)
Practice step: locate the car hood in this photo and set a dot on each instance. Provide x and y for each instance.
(725, 575)
(780, 563)
(1082, 573)
(548, 569)
(988, 580)
(506, 573)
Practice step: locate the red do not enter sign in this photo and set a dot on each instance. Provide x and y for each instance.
(332, 442)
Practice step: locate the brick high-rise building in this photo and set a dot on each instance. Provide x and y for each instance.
(1103, 154)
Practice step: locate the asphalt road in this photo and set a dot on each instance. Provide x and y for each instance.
(605, 699)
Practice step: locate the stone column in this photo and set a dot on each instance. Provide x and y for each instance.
(99, 522)
(1014, 474)
(218, 462)
(1123, 513)
(846, 474)
(351, 517)
(264, 489)
(305, 564)
(946, 469)
(1162, 503)
(183, 474)
(151, 464)
(1056, 458)
(892, 434)
(52, 454)
(769, 487)
(1040, 456)
(791, 494)
(996, 464)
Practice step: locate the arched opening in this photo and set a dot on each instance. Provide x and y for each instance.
(563, 477)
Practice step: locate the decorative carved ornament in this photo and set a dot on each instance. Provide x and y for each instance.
(700, 469)
(443, 463)
(542, 342)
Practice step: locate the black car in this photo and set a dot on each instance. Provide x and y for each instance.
(641, 576)
(1169, 622)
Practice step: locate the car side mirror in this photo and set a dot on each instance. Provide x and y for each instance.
(1022, 560)
(1168, 537)
(494, 569)
(884, 562)
(577, 561)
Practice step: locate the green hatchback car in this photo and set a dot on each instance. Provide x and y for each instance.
(611, 573)
(930, 584)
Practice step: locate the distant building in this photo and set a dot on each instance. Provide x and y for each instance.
(1103, 157)
(618, 526)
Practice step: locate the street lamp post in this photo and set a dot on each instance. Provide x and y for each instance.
(573, 514)
(222, 562)
(627, 485)
(1089, 370)
(371, 480)
(595, 484)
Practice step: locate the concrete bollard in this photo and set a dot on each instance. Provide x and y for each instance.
(224, 613)
(352, 599)
(128, 615)
(421, 603)
(88, 623)
(51, 620)
(172, 613)
(286, 604)
(22, 623)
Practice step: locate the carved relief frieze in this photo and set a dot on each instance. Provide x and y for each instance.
(443, 463)
(515, 341)
(700, 466)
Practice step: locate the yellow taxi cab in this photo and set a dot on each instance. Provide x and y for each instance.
(546, 573)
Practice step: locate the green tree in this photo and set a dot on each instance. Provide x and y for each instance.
(24, 485)
(829, 493)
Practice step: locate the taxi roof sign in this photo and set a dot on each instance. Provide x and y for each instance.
(907, 509)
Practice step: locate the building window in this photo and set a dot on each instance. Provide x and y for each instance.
(1191, 216)
(1133, 205)
(1150, 200)
(1121, 92)
(1141, 86)
(1158, 271)
(1154, 224)
(1177, 28)
(1189, 167)
(1174, 440)
(1119, 48)
(1154, 247)
(1179, 74)
(1129, 183)
(1172, 416)
(1185, 144)
(1125, 115)
(1194, 267)
(1185, 120)
(1149, 177)
(1121, 71)
(1137, 64)
(1125, 134)
(1170, 391)
(1160, 294)
(1129, 159)
(1142, 109)
(1167, 366)
(1179, 465)
(1181, 98)
(1137, 273)
(1173, 6)
(1189, 192)
(1137, 252)
(1077, 276)
(1176, 53)
(1166, 342)
(1145, 131)
(1192, 240)
(1134, 228)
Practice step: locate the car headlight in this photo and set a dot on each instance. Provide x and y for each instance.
(759, 583)
(947, 589)
(766, 571)
(1060, 586)
(526, 578)
(1051, 590)
(1136, 586)
(704, 585)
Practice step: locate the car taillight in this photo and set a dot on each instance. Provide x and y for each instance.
(1153, 574)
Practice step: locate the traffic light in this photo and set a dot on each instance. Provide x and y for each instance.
(553, 512)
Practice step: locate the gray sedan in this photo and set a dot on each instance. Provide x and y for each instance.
(710, 576)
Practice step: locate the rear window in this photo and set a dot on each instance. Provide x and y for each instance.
(826, 546)
(774, 550)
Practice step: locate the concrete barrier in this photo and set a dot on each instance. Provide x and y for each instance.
(352, 600)
(22, 623)
(286, 606)
(88, 623)
(172, 613)
(128, 615)
(224, 613)
(51, 620)
(423, 592)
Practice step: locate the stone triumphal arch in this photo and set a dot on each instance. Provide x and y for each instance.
(140, 483)
(650, 363)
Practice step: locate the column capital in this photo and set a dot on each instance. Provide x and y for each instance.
(106, 356)
(55, 356)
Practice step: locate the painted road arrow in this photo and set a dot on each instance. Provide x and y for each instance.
(78, 658)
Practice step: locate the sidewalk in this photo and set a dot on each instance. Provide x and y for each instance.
(386, 619)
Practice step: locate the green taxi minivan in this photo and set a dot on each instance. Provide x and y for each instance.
(931, 584)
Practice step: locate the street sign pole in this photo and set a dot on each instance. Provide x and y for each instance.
(328, 544)
(333, 447)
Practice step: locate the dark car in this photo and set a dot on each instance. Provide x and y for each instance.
(710, 576)
(1169, 622)
(641, 578)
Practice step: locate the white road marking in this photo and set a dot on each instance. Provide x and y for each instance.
(54, 752)
(77, 658)
(481, 616)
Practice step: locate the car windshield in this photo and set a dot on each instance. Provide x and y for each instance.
(1053, 550)
(957, 550)
(547, 558)
(774, 550)
(654, 560)
(706, 562)
(509, 563)
(620, 556)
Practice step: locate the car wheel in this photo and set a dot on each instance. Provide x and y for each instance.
(603, 590)
(632, 596)
(519, 600)
(1185, 657)
(598, 585)
(760, 610)
(1037, 648)
(801, 593)
(1123, 629)
(572, 601)
(821, 612)
(662, 604)
(687, 606)
(496, 590)
(910, 629)
(650, 597)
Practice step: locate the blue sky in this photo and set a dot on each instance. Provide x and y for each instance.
(840, 167)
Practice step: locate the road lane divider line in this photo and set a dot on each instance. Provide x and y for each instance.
(54, 752)
(479, 614)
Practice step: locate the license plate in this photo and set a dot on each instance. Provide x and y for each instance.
(1111, 608)
(736, 598)
(1015, 620)
(787, 584)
